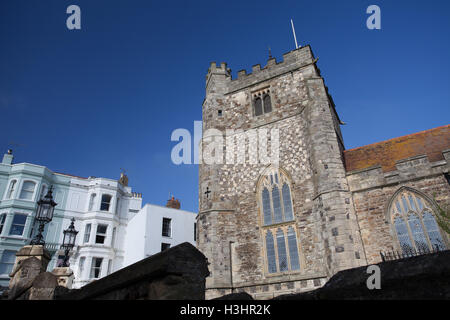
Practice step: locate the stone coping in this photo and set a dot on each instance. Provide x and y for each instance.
(170, 261)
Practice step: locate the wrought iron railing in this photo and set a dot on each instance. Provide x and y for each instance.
(407, 253)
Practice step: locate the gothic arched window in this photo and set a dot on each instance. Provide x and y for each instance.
(261, 102)
(414, 223)
(276, 198)
(278, 223)
(267, 104)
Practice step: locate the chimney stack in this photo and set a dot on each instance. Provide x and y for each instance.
(8, 157)
(123, 179)
(173, 203)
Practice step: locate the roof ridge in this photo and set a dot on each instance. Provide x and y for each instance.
(408, 135)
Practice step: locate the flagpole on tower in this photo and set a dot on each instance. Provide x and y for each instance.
(293, 31)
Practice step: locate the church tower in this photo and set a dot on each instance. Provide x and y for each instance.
(284, 226)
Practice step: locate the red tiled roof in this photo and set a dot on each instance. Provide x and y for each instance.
(429, 142)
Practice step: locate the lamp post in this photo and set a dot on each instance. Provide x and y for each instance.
(70, 235)
(44, 214)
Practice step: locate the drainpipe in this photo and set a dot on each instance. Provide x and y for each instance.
(231, 266)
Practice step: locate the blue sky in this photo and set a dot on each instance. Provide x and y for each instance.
(108, 96)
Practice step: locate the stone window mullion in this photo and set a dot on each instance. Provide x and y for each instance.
(275, 244)
(286, 244)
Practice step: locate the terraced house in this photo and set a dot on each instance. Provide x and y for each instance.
(114, 229)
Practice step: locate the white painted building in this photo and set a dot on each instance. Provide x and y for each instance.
(101, 208)
(155, 228)
(114, 229)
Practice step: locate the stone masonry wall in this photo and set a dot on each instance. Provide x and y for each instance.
(229, 220)
(414, 278)
(177, 273)
(373, 189)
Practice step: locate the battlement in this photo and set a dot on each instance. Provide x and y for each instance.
(222, 69)
(292, 60)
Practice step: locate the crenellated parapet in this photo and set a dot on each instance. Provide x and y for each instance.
(292, 61)
(413, 168)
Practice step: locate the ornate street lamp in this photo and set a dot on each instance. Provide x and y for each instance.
(70, 234)
(44, 214)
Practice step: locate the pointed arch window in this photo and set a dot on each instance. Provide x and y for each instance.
(276, 198)
(278, 223)
(262, 102)
(413, 221)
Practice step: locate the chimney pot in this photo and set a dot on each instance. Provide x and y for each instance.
(173, 203)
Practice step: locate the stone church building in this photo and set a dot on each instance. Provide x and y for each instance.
(276, 229)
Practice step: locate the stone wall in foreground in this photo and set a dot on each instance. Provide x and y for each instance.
(422, 277)
(177, 273)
